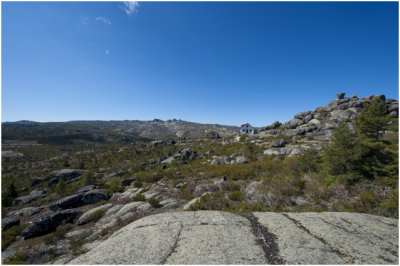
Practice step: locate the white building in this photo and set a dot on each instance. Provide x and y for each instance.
(247, 129)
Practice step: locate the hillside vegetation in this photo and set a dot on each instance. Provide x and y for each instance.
(100, 176)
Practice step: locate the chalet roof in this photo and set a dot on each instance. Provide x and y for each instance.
(247, 124)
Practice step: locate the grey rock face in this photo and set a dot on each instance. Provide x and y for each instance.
(86, 188)
(302, 115)
(220, 160)
(85, 217)
(36, 182)
(49, 223)
(203, 188)
(294, 123)
(212, 237)
(68, 202)
(343, 115)
(168, 160)
(94, 196)
(127, 182)
(34, 195)
(242, 159)
(340, 95)
(278, 143)
(9, 222)
(274, 125)
(67, 173)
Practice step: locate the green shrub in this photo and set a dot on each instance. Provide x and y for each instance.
(391, 206)
(61, 187)
(88, 177)
(367, 199)
(56, 235)
(234, 187)
(19, 257)
(8, 236)
(138, 197)
(94, 217)
(138, 184)
(235, 196)
(154, 202)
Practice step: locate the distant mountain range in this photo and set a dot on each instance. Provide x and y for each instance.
(100, 130)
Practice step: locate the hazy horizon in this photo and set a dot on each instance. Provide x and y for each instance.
(222, 63)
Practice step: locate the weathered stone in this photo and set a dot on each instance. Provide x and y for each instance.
(380, 98)
(85, 218)
(241, 159)
(85, 189)
(9, 222)
(278, 143)
(274, 125)
(49, 223)
(342, 115)
(128, 182)
(294, 123)
(302, 115)
(34, 195)
(203, 188)
(212, 237)
(68, 202)
(131, 207)
(168, 161)
(36, 182)
(340, 95)
(94, 196)
(67, 173)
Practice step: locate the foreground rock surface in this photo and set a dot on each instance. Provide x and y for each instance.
(212, 237)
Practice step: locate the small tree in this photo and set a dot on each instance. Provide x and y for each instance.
(8, 196)
(374, 120)
(309, 161)
(61, 187)
(89, 177)
(342, 155)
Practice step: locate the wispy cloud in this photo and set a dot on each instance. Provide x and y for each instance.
(130, 7)
(107, 52)
(104, 20)
(84, 20)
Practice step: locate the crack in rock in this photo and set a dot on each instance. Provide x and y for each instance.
(265, 239)
(174, 246)
(342, 255)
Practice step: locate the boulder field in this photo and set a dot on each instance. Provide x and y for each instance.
(213, 237)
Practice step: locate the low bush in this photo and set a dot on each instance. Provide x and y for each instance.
(8, 236)
(154, 202)
(235, 196)
(94, 217)
(19, 257)
(138, 197)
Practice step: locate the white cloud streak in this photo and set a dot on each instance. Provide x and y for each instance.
(84, 20)
(104, 20)
(107, 52)
(130, 7)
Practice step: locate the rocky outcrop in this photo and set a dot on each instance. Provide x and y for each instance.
(85, 218)
(49, 223)
(94, 196)
(321, 122)
(65, 174)
(274, 125)
(127, 182)
(9, 222)
(212, 237)
(34, 195)
(277, 143)
(68, 202)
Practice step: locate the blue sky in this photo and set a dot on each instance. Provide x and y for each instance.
(219, 62)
